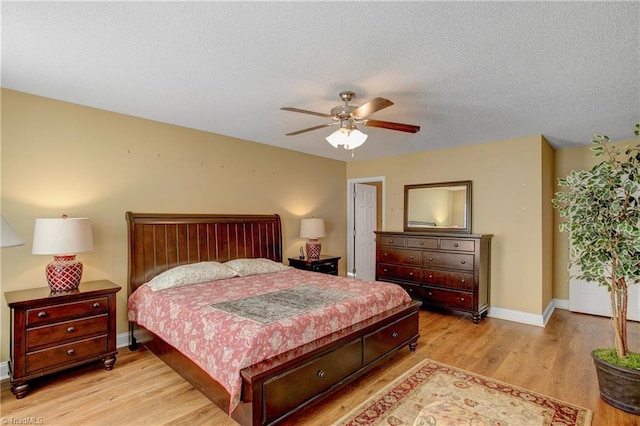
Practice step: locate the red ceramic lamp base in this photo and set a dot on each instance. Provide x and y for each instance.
(313, 249)
(64, 273)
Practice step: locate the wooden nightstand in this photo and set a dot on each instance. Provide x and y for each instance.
(51, 332)
(325, 265)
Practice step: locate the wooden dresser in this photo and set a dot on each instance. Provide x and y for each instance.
(448, 271)
(51, 332)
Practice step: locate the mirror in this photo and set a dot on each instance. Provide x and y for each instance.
(438, 207)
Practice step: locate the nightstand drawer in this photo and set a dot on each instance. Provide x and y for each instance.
(54, 313)
(66, 331)
(63, 354)
(330, 268)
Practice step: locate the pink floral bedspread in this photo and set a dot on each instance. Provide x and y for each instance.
(222, 344)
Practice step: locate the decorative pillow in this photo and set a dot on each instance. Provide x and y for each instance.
(193, 273)
(246, 267)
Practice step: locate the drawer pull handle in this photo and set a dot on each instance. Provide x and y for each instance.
(71, 330)
(71, 352)
(390, 241)
(410, 274)
(96, 305)
(421, 243)
(431, 259)
(386, 270)
(394, 334)
(430, 276)
(463, 262)
(320, 374)
(455, 244)
(430, 294)
(462, 299)
(462, 281)
(410, 257)
(42, 314)
(386, 254)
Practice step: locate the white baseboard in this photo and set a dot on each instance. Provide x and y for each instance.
(540, 320)
(122, 340)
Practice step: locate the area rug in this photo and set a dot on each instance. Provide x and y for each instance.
(435, 394)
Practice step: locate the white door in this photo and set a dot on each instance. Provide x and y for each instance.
(590, 298)
(364, 225)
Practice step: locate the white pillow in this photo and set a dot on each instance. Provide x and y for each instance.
(192, 273)
(245, 267)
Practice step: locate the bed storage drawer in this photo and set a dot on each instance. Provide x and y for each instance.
(285, 392)
(382, 341)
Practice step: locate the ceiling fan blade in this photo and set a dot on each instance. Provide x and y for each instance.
(370, 107)
(409, 128)
(310, 129)
(304, 111)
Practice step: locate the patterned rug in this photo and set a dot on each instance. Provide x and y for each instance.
(434, 394)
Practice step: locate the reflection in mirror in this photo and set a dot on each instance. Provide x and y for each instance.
(438, 207)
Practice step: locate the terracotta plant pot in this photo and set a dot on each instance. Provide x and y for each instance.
(619, 386)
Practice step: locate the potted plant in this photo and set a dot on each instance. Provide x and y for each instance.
(602, 211)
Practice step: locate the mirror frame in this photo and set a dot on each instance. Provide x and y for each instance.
(460, 230)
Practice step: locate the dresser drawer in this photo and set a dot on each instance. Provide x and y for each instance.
(391, 241)
(51, 314)
(414, 290)
(283, 393)
(448, 298)
(422, 243)
(382, 341)
(448, 279)
(447, 260)
(63, 354)
(65, 331)
(399, 272)
(408, 257)
(457, 244)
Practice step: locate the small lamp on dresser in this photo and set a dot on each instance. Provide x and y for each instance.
(63, 238)
(312, 229)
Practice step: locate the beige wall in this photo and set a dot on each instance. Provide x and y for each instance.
(63, 158)
(507, 202)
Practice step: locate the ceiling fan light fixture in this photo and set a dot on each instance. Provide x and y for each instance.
(351, 138)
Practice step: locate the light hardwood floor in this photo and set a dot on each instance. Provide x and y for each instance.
(142, 390)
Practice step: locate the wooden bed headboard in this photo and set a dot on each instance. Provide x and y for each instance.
(158, 242)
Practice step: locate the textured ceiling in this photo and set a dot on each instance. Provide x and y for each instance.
(466, 72)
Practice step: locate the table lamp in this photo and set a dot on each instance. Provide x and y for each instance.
(63, 238)
(312, 229)
(8, 237)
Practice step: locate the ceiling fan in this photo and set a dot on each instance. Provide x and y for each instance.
(347, 116)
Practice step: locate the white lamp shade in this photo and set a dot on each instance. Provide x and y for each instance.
(60, 236)
(312, 228)
(351, 139)
(8, 237)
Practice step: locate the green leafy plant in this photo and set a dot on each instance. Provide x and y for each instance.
(602, 208)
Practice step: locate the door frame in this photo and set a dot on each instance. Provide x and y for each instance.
(351, 213)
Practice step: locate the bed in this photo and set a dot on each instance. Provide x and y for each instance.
(315, 366)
